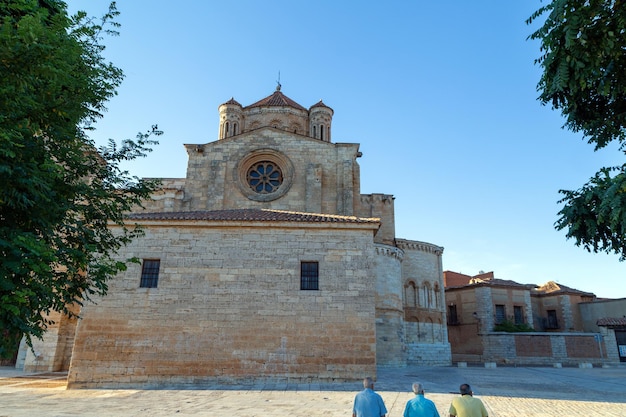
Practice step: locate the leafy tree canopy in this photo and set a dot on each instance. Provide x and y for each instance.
(583, 45)
(58, 191)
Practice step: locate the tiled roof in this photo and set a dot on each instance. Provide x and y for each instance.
(252, 215)
(231, 101)
(496, 282)
(611, 321)
(321, 104)
(277, 99)
(552, 287)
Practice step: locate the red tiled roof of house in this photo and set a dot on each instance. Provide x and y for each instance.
(611, 321)
(252, 215)
(552, 287)
(277, 99)
(496, 282)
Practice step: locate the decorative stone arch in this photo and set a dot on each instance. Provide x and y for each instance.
(437, 296)
(410, 294)
(427, 295)
(254, 125)
(296, 128)
(276, 123)
(278, 162)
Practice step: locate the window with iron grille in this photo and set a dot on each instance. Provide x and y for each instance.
(518, 314)
(150, 273)
(309, 276)
(500, 313)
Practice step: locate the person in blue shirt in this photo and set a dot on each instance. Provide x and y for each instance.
(367, 403)
(420, 406)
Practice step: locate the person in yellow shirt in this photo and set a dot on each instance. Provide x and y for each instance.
(466, 405)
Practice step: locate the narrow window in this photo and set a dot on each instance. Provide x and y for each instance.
(150, 273)
(309, 276)
(322, 132)
(453, 319)
(500, 314)
(552, 322)
(314, 132)
(226, 130)
(235, 129)
(518, 314)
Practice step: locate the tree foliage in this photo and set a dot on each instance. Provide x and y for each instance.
(583, 45)
(58, 191)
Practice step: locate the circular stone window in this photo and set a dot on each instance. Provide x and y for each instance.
(264, 175)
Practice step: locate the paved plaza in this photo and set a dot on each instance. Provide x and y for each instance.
(506, 391)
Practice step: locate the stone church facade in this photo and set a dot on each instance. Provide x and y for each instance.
(264, 263)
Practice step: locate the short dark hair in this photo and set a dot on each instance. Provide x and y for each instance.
(465, 389)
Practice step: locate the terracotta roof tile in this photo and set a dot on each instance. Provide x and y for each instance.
(496, 282)
(252, 215)
(552, 287)
(231, 101)
(611, 321)
(321, 104)
(277, 99)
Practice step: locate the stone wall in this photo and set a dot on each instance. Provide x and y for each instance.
(425, 328)
(545, 348)
(228, 307)
(216, 173)
(390, 349)
(592, 311)
(54, 352)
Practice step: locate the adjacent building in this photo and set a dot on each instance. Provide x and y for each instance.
(502, 321)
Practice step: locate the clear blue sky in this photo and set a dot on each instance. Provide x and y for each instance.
(441, 95)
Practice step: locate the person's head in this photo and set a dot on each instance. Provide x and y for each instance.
(465, 389)
(368, 382)
(418, 388)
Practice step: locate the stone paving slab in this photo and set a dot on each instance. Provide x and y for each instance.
(534, 392)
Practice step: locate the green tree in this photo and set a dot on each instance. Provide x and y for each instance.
(58, 191)
(583, 45)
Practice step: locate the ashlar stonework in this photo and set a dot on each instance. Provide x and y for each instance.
(264, 263)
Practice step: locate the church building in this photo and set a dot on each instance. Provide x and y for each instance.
(264, 263)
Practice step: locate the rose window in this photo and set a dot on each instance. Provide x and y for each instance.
(264, 177)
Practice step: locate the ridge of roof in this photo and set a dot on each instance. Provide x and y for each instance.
(251, 215)
(277, 99)
(321, 104)
(552, 287)
(231, 101)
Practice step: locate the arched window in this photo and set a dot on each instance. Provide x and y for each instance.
(410, 295)
(428, 296)
(314, 132)
(235, 129)
(322, 132)
(437, 295)
(226, 130)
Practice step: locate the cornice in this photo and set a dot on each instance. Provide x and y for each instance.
(391, 251)
(420, 246)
